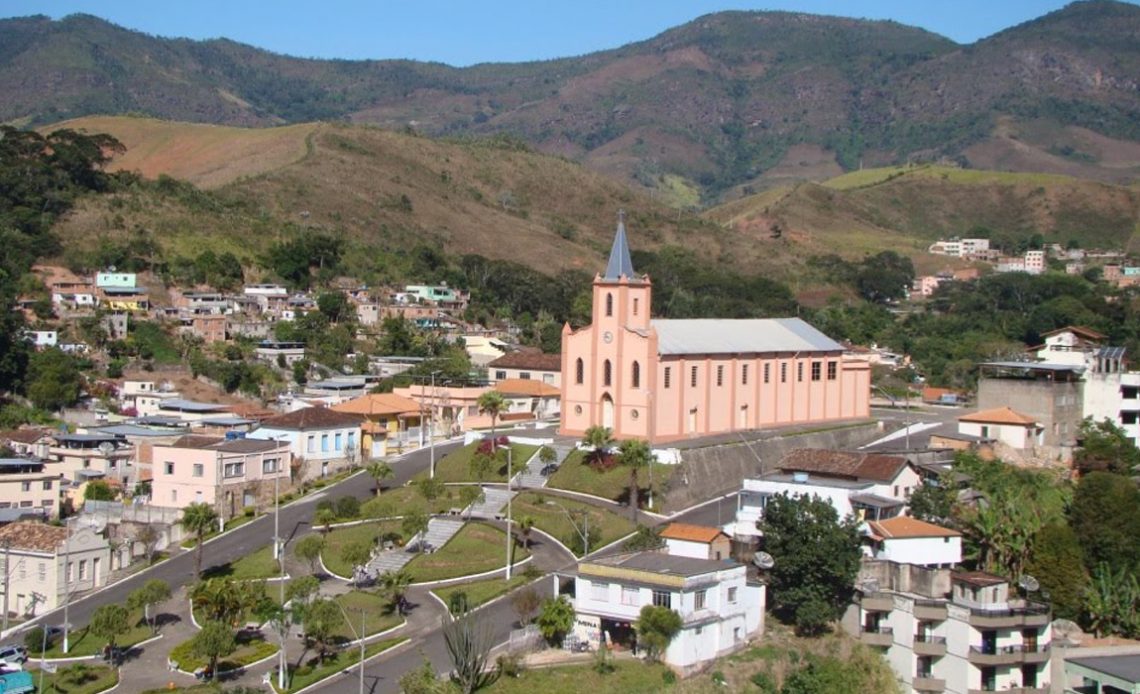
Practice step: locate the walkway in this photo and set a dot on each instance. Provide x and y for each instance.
(439, 531)
(531, 476)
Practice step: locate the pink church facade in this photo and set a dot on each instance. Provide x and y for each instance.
(667, 380)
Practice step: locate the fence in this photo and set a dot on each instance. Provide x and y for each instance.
(525, 639)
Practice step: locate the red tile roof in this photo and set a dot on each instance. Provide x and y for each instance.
(528, 359)
(37, 537)
(379, 404)
(905, 527)
(526, 386)
(856, 465)
(312, 418)
(998, 415)
(691, 533)
(1078, 330)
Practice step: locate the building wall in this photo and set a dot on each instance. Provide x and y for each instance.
(699, 550)
(923, 550)
(313, 444)
(552, 378)
(1057, 406)
(42, 491)
(1012, 435)
(176, 482)
(38, 580)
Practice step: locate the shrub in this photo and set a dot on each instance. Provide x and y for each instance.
(669, 677)
(766, 684)
(510, 665)
(718, 678)
(248, 511)
(348, 507)
(34, 640)
(485, 445)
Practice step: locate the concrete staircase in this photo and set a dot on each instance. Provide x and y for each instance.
(494, 499)
(531, 475)
(439, 531)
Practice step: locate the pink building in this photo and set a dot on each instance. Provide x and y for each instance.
(664, 380)
(228, 474)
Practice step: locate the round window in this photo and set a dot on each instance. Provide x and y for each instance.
(577, 409)
(634, 414)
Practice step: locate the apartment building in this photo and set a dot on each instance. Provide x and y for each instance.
(44, 562)
(527, 365)
(82, 457)
(719, 608)
(27, 488)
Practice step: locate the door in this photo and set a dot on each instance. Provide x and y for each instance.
(607, 412)
(95, 570)
(693, 421)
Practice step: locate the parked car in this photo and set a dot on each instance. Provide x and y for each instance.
(13, 655)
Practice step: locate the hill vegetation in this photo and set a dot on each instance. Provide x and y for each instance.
(728, 100)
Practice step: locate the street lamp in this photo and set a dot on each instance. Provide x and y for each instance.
(431, 426)
(279, 555)
(584, 532)
(67, 588)
(359, 637)
(509, 538)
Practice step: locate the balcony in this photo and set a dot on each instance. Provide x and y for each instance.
(1011, 690)
(877, 602)
(924, 644)
(877, 636)
(1009, 655)
(930, 610)
(928, 684)
(1031, 615)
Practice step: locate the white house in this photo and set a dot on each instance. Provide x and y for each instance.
(911, 541)
(720, 610)
(1012, 428)
(696, 541)
(869, 486)
(43, 562)
(317, 435)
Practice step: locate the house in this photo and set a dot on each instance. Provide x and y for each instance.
(1012, 428)
(907, 540)
(719, 608)
(317, 435)
(527, 365)
(453, 408)
(1051, 393)
(277, 353)
(27, 442)
(42, 339)
(869, 486)
(441, 295)
(82, 457)
(45, 562)
(696, 541)
(942, 396)
(528, 399)
(340, 388)
(68, 290)
(1117, 673)
(389, 419)
(666, 380)
(28, 488)
(229, 473)
(483, 350)
(190, 410)
(943, 630)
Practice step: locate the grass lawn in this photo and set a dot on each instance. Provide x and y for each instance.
(575, 475)
(84, 643)
(549, 518)
(251, 651)
(627, 678)
(311, 672)
(401, 500)
(479, 592)
(456, 466)
(77, 679)
(258, 565)
(339, 537)
(476, 548)
(377, 614)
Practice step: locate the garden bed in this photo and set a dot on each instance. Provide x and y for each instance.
(549, 518)
(77, 679)
(475, 549)
(575, 474)
(481, 592)
(456, 466)
(312, 672)
(247, 653)
(338, 538)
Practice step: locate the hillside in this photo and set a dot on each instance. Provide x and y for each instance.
(748, 100)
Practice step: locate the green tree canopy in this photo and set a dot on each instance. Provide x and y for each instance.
(555, 619)
(198, 519)
(656, 627)
(1105, 447)
(213, 641)
(1105, 517)
(110, 622)
(1056, 562)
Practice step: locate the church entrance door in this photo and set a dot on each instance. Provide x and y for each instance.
(607, 412)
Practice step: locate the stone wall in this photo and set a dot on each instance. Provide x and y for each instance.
(707, 472)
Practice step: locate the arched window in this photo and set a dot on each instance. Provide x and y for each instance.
(579, 372)
(636, 375)
(609, 304)
(607, 373)
(635, 301)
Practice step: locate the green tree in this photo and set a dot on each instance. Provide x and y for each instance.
(480, 465)
(656, 627)
(394, 585)
(110, 622)
(547, 456)
(933, 502)
(817, 557)
(322, 618)
(53, 380)
(493, 404)
(1104, 447)
(302, 590)
(147, 596)
(526, 527)
(414, 523)
(309, 549)
(598, 439)
(430, 488)
(1112, 602)
(356, 554)
(555, 619)
(380, 471)
(335, 306)
(215, 640)
(635, 455)
(644, 538)
(423, 680)
(324, 517)
(526, 603)
(1056, 562)
(224, 599)
(98, 490)
(198, 519)
(1105, 516)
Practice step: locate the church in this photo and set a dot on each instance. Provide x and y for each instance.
(668, 380)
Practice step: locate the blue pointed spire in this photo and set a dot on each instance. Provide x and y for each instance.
(620, 262)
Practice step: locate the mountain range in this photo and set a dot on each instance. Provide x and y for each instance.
(727, 105)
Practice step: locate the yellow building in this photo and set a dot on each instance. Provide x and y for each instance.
(391, 421)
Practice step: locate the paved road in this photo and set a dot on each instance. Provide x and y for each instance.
(179, 570)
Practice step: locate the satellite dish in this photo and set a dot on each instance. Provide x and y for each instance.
(763, 560)
(1028, 583)
(106, 448)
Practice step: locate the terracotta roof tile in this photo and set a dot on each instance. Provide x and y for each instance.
(528, 359)
(379, 404)
(23, 435)
(38, 537)
(1078, 330)
(312, 418)
(851, 464)
(998, 415)
(905, 526)
(691, 533)
(528, 387)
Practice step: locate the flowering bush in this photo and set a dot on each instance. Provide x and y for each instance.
(485, 445)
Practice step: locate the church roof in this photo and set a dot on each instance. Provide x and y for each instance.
(742, 336)
(620, 263)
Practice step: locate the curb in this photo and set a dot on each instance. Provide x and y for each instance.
(319, 682)
(492, 601)
(440, 583)
(81, 658)
(609, 504)
(242, 668)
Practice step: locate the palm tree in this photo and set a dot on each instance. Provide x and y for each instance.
(199, 519)
(380, 471)
(325, 517)
(394, 584)
(525, 526)
(634, 454)
(598, 438)
(493, 404)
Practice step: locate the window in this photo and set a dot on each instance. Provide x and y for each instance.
(524, 375)
(668, 376)
(5, 504)
(607, 373)
(609, 304)
(473, 410)
(174, 496)
(635, 377)
(783, 372)
(663, 598)
(26, 486)
(47, 484)
(744, 374)
(832, 369)
(47, 503)
(732, 596)
(500, 375)
(800, 372)
(169, 468)
(351, 444)
(269, 465)
(26, 504)
(579, 371)
(82, 569)
(338, 442)
(635, 302)
(816, 370)
(199, 469)
(630, 596)
(600, 592)
(312, 444)
(719, 375)
(234, 469)
(324, 443)
(42, 570)
(767, 373)
(700, 598)
(693, 376)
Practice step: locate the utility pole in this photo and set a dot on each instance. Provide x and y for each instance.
(510, 539)
(67, 587)
(362, 633)
(431, 426)
(279, 555)
(7, 578)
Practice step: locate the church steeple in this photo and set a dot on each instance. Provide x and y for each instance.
(620, 263)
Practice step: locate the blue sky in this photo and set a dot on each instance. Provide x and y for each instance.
(462, 32)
